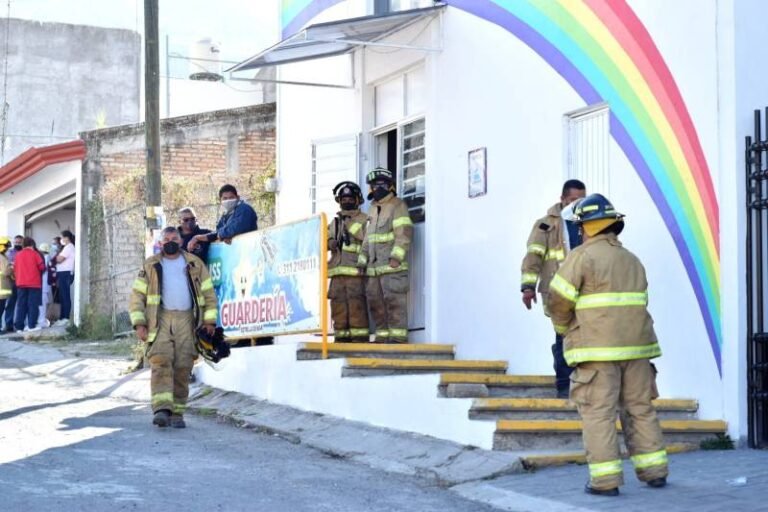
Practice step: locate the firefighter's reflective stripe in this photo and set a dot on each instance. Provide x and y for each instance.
(343, 271)
(555, 254)
(560, 329)
(607, 300)
(353, 248)
(398, 333)
(152, 335)
(399, 222)
(383, 333)
(398, 253)
(341, 333)
(537, 249)
(138, 318)
(385, 269)
(529, 278)
(649, 460)
(4, 294)
(575, 356)
(153, 300)
(612, 467)
(564, 288)
(179, 408)
(162, 398)
(140, 285)
(206, 285)
(381, 238)
(355, 228)
(201, 301)
(362, 260)
(359, 332)
(210, 315)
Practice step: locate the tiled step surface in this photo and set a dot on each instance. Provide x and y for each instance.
(314, 350)
(363, 367)
(559, 408)
(566, 434)
(484, 384)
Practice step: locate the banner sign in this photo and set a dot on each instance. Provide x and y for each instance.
(268, 282)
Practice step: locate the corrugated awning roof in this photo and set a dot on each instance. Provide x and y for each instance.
(338, 37)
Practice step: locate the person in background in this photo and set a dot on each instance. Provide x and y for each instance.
(239, 217)
(28, 268)
(189, 229)
(10, 304)
(6, 273)
(65, 268)
(45, 250)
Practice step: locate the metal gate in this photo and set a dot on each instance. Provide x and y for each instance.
(757, 341)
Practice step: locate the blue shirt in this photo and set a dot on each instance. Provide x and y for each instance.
(241, 219)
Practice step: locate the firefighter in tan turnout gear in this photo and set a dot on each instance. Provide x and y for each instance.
(172, 296)
(347, 288)
(383, 255)
(598, 299)
(550, 240)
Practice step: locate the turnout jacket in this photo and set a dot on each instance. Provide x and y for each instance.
(344, 259)
(599, 299)
(545, 251)
(146, 296)
(389, 235)
(6, 277)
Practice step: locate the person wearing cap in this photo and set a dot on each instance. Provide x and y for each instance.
(6, 273)
(384, 254)
(347, 289)
(599, 301)
(552, 236)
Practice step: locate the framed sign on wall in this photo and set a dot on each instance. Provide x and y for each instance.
(478, 178)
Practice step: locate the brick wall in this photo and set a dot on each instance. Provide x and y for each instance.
(200, 153)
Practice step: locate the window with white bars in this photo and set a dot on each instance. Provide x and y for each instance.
(413, 158)
(333, 161)
(587, 148)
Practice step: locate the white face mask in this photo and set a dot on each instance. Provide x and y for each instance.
(567, 213)
(229, 204)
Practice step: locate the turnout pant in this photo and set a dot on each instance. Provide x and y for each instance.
(10, 308)
(348, 309)
(171, 357)
(388, 301)
(603, 391)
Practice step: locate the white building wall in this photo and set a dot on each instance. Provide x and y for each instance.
(488, 89)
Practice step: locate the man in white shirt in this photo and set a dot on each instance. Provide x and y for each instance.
(65, 274)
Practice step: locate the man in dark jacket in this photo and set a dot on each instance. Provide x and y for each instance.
(239, 217)
(188, 229)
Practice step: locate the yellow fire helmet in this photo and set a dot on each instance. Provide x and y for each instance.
(5, 240)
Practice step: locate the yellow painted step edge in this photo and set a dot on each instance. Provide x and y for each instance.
(562, 404)
(554, 426)
(560, 459)
(497, 380)
(374, 363)
(379, 347)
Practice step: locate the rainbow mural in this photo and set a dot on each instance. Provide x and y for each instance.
(603, 50)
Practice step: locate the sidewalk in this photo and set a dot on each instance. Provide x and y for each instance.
(704, 481)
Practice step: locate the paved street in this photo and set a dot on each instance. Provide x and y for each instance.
(66, 451)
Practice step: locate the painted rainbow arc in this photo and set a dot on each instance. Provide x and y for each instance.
(603, 50)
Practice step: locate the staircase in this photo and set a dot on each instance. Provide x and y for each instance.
(528, 416)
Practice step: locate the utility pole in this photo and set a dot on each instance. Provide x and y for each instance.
(152, 114)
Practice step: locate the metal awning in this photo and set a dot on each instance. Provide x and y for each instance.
(340, 37)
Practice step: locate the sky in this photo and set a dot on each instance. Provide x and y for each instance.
(242, 27)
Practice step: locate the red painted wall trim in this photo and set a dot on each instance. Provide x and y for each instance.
(34, 160)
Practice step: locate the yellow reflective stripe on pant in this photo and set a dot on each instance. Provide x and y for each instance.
(161, 398)
(581, 355)
(383, 333)
(206, 285)
(385, 269)
(140, 285)
(564, 288)
(138, 317)
(398, 333)
(398, 253)
(537, 249)
(560, 329)
(179, 408)
(609, 300)
(381, 238)
(529, 278)
(153, 300)
(359, 332)
(353, 248)
(399, 222)
(210, 315)
(355, 228)
(600, 469)
(341, 333)
(557, 254)
(343, 271)
(648, 460)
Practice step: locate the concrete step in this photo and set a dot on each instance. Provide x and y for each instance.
(479, 385)
(314, 350)
(542, 460)
(565, 435)
(364, 367)
(562, 409)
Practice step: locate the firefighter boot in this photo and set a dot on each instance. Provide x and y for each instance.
(601, 492)
(177, 421)
(161, 418)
